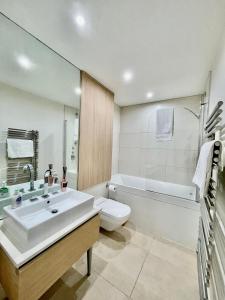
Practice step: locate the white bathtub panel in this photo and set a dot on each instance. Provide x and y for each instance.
(129, 181)
(171, 222)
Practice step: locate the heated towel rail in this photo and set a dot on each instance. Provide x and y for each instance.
(15, 174)
(211, 241)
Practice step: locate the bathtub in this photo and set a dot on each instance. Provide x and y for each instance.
(163, 209)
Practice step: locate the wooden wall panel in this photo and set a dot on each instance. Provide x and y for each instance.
(96, 126)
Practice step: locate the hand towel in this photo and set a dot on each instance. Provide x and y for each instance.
(204, 168)
(18, 148)
(164, 123)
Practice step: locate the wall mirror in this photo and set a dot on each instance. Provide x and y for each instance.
(39, 111)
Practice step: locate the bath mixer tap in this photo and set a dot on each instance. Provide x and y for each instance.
(29, 168)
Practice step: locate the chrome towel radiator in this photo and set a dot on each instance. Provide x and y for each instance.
(211, 241)
(15, 174)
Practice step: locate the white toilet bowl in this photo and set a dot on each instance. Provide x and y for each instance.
(113, 214)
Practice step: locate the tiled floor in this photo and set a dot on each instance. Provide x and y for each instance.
(129, 265)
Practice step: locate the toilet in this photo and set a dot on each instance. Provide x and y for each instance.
(113, 214)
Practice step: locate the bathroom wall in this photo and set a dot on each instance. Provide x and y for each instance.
(116, 139)
(19, 109)
(142, 155)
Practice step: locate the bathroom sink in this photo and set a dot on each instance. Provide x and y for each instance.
(36, 220)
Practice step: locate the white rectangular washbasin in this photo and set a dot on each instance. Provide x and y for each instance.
(33, 222)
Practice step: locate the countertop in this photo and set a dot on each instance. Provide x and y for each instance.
(19, 258)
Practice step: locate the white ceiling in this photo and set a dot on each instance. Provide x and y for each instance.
(168, 44)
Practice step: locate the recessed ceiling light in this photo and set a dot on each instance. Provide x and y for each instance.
(149, 95)
(25, 62)
(80, 21)
(77, 91)
(128, 76)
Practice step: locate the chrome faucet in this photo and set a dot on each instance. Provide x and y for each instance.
(29, 168)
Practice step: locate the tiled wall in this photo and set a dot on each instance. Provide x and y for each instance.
(142, 155)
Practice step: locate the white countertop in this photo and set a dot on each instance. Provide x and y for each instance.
(19, 258)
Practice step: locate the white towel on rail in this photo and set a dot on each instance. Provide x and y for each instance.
(18, 148)
(204, 168)
(164, 123)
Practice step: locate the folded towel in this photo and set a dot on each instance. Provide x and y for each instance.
(164, 123)
(18, 148)
(204, 168)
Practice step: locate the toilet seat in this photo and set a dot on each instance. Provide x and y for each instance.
(113, 213)
(113, 208)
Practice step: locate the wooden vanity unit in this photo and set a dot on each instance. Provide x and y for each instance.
(34, 278)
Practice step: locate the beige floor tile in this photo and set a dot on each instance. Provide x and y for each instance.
(125, 235)
(160, 280)
(75, 286)
(133, 236)
(123, 270)
(108, 248)
(103, 290)
(173, 254)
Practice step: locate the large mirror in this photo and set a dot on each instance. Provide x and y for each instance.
(39, 113)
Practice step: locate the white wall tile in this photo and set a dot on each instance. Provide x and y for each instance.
(179, 175)
(131, 140)
(186, 139)
(156, 157)
(157, 172)
(153, 156)
(148, 140)
(181, 158)
(132, 155)
(125, 167)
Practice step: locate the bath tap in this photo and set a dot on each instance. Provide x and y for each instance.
(29, 168)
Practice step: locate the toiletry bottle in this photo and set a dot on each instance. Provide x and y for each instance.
(16, 199)
(50, 176)
(4, 191)
(64, 181)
